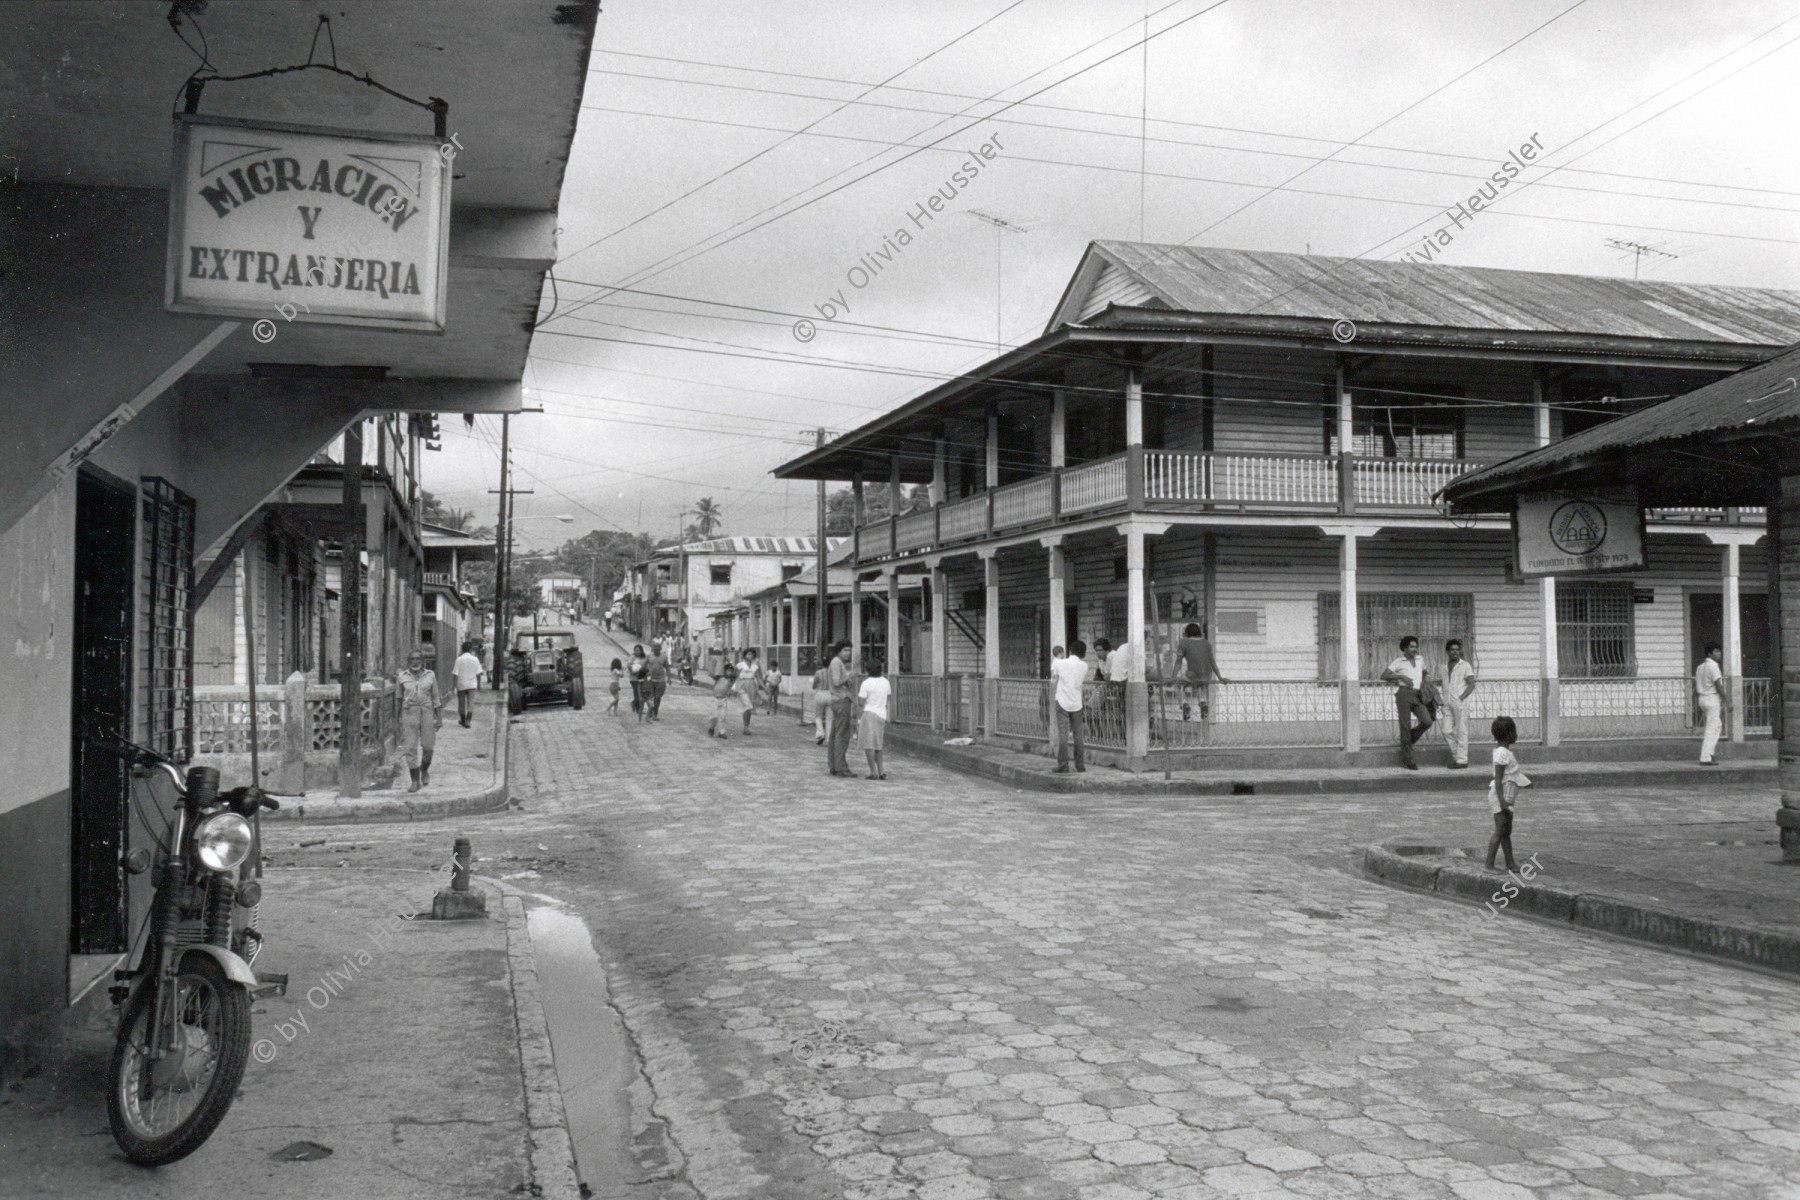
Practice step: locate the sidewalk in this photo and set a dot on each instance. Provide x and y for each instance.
(468, 775)
(1756, 768)
(1715, 888)
(398, 1047)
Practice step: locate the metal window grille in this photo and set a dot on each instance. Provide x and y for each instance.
(1383, 618)
(1403, 427)
(720, 575)
(168, 650)
(1595, 638)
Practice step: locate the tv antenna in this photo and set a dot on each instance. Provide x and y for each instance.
(1001, 228)
(1638, 250)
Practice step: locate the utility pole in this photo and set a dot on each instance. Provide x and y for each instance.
(822, 596)
(502, 540)
(350, 587)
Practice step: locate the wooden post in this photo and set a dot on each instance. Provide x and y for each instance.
(350, 619)
(296, 735)
(1346, 426)
(1137, 694)
(1349, 645)
(940, 642)
(990, 621)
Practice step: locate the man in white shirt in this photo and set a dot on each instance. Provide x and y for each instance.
(1070, 673)
(1709, 692)
(1118, 664)
(466, 672)
(1459, 685)
(1407, 674)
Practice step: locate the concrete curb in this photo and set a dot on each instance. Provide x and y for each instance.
(550, 1150)
(1425, 869)
(928, 746)
(335, 810)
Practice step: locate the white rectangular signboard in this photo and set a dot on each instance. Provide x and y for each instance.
(1564, 533)
(293, 223)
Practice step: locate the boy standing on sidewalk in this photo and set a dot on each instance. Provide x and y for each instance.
(1709, 693)
(1503, 790)
(467, 673)
(1459, 685)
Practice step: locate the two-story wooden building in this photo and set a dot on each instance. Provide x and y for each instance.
(1240, 440)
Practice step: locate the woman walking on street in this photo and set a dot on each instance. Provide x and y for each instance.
(749, 682)
(821, 697)
(639, 671)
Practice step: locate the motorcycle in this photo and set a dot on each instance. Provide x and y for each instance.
(184, 1029)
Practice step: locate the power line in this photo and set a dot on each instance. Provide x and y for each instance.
(1297, 191)
(1266, 133)
(1181, 142)
(703, 185)
(664, 264)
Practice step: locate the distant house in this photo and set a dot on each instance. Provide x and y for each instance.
(562, 593)
(679, 588)
(450, 615)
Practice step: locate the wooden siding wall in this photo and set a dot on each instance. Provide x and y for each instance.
(1115, 287)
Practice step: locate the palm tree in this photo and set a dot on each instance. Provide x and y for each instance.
(707, 517)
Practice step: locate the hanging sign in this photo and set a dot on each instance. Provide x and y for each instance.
(288, 223)
(1561, 533)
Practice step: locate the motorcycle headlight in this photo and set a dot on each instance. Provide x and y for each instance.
(222, 841)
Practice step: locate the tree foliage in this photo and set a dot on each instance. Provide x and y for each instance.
(840, 506)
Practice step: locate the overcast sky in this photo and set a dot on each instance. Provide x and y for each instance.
(656, 399)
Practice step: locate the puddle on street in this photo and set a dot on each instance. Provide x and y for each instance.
(594, 1066)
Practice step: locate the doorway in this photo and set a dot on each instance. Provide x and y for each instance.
(105, 546)
(1706, 624)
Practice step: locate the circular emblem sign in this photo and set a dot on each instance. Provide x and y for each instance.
(1578, 527)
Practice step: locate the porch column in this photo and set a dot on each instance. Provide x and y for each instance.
(990, 636)
(1784, 594)
(894, 484)
(1134, 439)
(1731, 640)
(1349, 637)
(855, 634)
(940, 642)
(1059, 633)
(1059, 573)
(1346, 434)
(1059, 429)
(893, 623)
(939, 472)
(1549, 668)
(993, 448)
(1137, 693)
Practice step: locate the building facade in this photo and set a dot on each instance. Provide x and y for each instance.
(677, 590)
(1239, 441)
(147, 449)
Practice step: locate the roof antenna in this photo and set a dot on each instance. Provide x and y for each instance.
(1001, 228)
(1638, 250)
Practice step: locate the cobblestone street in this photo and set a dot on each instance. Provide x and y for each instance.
(940, 987)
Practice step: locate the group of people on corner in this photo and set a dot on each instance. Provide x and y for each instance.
(1424, 698)
(1196, 669)
(422, 706)
(841, 706)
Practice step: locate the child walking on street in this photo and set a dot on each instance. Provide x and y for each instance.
(618, 676)
(1503, 790)
(724, 686)
(772, 685)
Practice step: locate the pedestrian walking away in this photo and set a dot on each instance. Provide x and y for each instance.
(821, 697)
(843, 700)
(421, 715)
(656, 673)
(873, 698)
(639, 672)
(1458, 686)
(1709, 693)
(724, 690)
(1503, 790)
(1407, 674)
(467, 674)
(618, 677)
(749, 686)
(1069, 671)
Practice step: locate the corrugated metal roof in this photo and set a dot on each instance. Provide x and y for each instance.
(753, 545)
(1202, 279)
(1763, 396)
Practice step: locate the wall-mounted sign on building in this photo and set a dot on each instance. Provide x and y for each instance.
(308, 224)
(1558, 533)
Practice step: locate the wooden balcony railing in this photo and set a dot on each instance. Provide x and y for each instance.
(1178, 479)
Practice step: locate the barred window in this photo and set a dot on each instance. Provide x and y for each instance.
(1594, 634)
(1395, 424)
(168, 657)
(1383, 618)
(720, 574)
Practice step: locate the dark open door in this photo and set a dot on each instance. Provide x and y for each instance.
(105, 542)
(1706, 624)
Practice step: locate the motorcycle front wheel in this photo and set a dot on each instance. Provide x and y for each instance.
(164, 1109)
